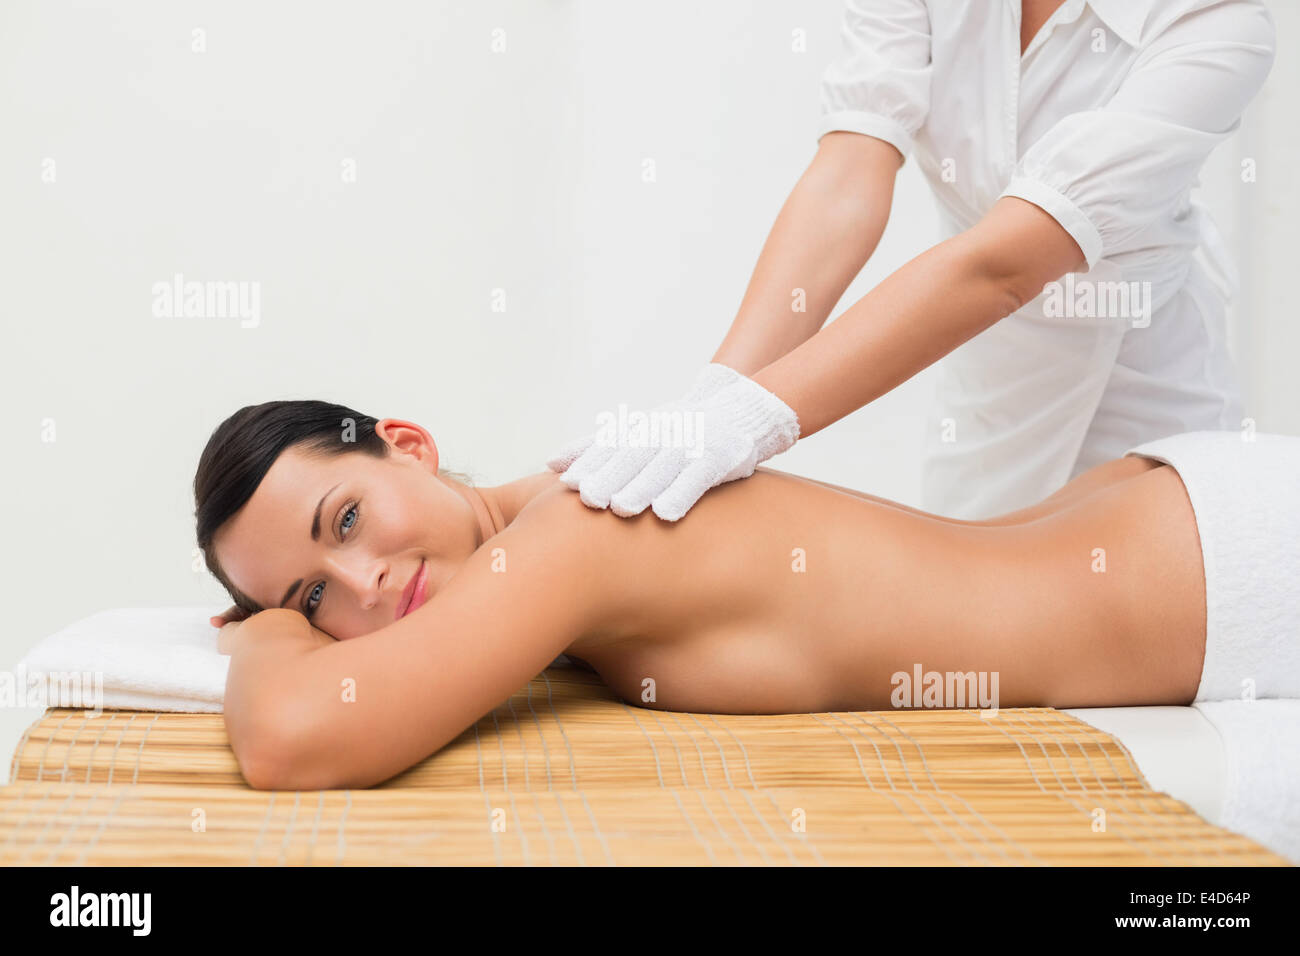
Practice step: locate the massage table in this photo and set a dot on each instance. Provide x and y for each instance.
(564, 773)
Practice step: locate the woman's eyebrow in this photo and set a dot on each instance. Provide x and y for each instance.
(315, 536)
(315, 518)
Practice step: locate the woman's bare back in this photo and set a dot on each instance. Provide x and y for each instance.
(777, 594)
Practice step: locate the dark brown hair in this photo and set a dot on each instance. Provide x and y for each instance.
(243, 448)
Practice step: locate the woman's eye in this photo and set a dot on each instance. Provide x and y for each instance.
(314, 591)
(345, 524)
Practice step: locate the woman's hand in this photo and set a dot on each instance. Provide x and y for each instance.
(718, 433)
(228, 621)
(232, 613)
(229, 636)
(236, 627)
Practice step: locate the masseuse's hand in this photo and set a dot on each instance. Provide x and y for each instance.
(719, 432)
(711, 378)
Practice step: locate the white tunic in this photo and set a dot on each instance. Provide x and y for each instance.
(1104, 123)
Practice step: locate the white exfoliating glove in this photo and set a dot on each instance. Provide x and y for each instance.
(719, 432)
(711, 378)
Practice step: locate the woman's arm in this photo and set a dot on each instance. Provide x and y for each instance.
(825, 232)
(920, 313)
(305, 715)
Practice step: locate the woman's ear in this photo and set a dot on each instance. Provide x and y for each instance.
(408, 438)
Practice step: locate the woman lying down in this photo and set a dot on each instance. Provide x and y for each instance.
(386, 606)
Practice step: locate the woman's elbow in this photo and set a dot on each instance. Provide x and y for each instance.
(260, 773)
(269, 751)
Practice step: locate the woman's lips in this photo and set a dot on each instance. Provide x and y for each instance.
(414, 593)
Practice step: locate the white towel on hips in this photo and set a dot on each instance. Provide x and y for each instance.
(1261, 742)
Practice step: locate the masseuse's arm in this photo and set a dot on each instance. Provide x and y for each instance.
(824, 234)
(917, 315)
(1106, 173)
(307, 714)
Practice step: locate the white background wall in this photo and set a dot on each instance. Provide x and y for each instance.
(476, 170)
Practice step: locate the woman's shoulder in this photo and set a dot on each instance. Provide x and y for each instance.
(594, 558)
(558, 512)
(599, 543)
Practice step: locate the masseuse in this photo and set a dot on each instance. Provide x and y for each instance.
(1058, 137)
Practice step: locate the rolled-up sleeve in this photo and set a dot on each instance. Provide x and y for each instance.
(1106, 174)
(880, 83)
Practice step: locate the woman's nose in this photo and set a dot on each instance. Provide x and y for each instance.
(365, 579)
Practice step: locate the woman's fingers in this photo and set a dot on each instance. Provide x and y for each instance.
(230, 615)
(226, 637)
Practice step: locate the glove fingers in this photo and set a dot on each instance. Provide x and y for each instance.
(687, 488)
(597, 488)
(569, 453)
(744, 468)
(653, 479)
(588, 463)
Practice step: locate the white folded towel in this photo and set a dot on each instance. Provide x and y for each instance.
(146, 658)
(154, 658)
(1261, 741)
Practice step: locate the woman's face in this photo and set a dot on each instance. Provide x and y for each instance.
(378, 520)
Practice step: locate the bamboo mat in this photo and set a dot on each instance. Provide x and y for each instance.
(565, 773)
